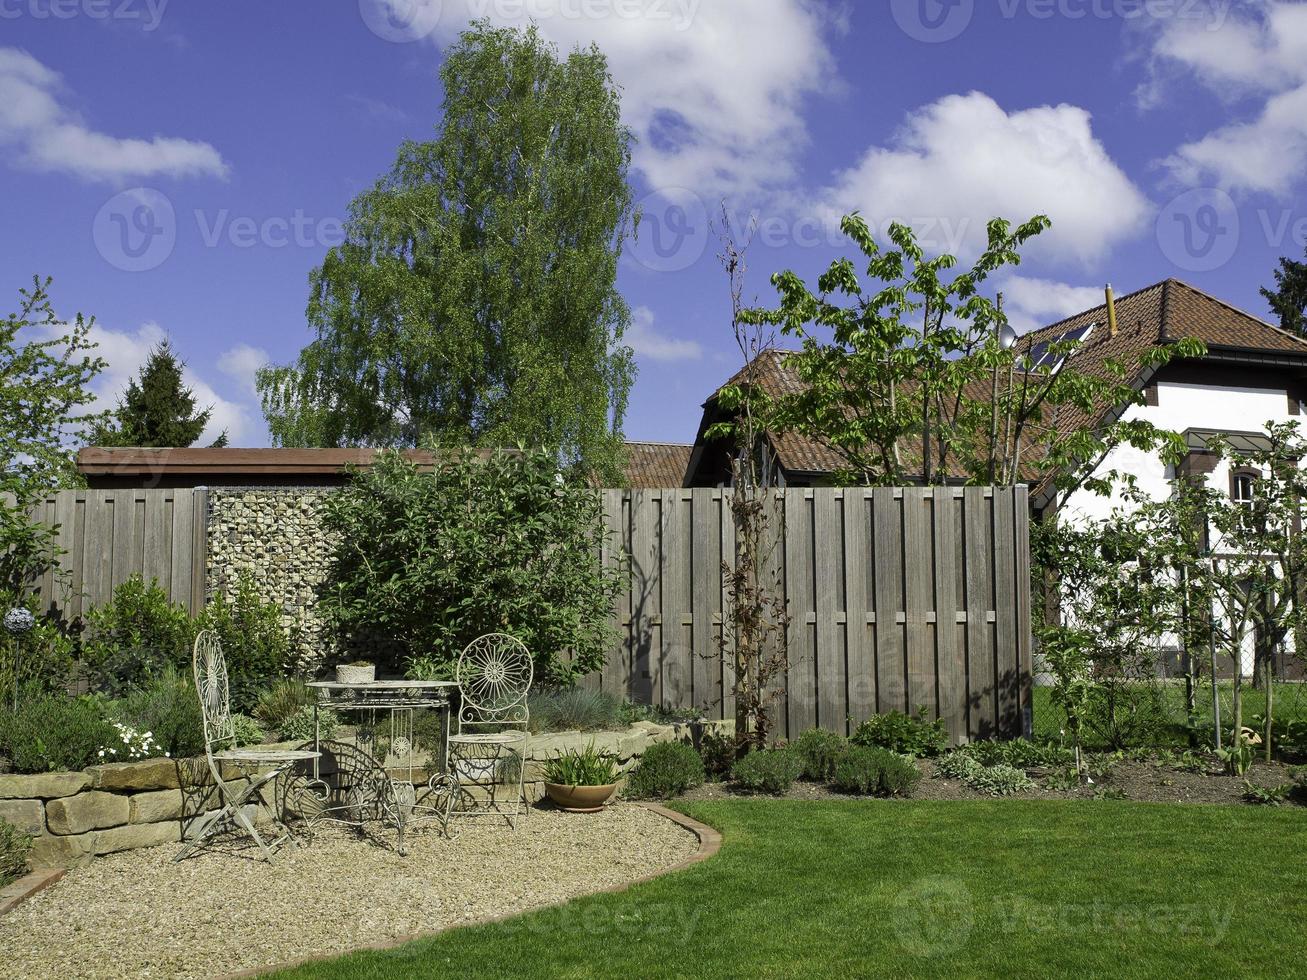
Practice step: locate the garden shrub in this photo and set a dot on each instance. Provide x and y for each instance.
(571, 709)
(15, 845)
(996, 780)
(54, 733)
(254, 643)
(39, 661)
(432, 560)
(875, 771)
(718, 752)
(1019, 752)
(247, 730)
(134, 636)
(280, 701)
(666, 769)
(299, 726)
(958, 764)
(905, 734)
(167, 707)
(768, 770)
(821, 751)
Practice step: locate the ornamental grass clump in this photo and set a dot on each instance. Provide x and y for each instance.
(587, 767)
(768, 770)
(574, 709)
(666, 769)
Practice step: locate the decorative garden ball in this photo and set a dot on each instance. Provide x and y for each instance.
(19, 621)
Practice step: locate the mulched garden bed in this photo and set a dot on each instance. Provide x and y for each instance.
(1148, 782)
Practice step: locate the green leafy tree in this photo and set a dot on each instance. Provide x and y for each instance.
(1289, 297)
(46, 369)
(432, 560)
(474, 298)
(907, 378)
(157, 410)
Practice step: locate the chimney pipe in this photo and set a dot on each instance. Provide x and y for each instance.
(1111, 311)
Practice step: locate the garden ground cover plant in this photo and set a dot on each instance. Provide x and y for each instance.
(920, 888)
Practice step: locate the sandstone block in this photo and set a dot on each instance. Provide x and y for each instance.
(156, 805)
(86, 811)
(137, 835)
(62, 852)
(135, 776)
(27, 815)
(46, 786)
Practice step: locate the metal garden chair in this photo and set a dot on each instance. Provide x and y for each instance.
(215, 706)
(490, 730)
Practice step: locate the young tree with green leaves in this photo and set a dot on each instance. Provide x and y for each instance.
(1289, 297)
(158, 410)
(910, 376)
(474, 300)
(46, 370)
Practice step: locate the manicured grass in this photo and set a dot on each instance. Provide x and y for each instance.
(1002, 888)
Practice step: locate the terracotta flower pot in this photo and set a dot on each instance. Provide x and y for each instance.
(580, 799)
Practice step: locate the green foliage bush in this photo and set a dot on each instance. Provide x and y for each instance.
(821, 751)
(254, 643)
(136, 636)
(139, 634)
(432, 560)
(768, 770)
(299, 726)
(666, 769)
(574, 709)
(875, 771)
(247, 730)
(718, 751)
(905, 734)
(39, 660)
(55, 733)
(1000, 779)
(15, 845)
(1019, 752)
(281, 700)
(168, 707)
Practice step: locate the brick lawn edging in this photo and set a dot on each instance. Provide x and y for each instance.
(710, 842)
(18, 892)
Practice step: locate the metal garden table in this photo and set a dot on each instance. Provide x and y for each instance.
(364, 788)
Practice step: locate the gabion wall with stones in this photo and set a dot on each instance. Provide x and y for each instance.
(277, 537)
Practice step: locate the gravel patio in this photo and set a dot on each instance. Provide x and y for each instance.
(137, 914)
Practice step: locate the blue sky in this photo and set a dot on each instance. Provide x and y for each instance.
(180, 167)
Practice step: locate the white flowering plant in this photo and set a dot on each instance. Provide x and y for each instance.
(131, 745)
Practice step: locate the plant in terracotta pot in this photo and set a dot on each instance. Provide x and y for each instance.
(581, 782)
(358, 672)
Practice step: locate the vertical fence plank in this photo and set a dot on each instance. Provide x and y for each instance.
(199, 550)
(950, 658)
(706, 598)
(1024, 589)
(979, 518)
(859, 658)
(919, 598)
(887, 549)
(183, 536)
(801, 713)
(675, 572)
(156, 560)
(646, 626)
(728, 549)
(831, 678)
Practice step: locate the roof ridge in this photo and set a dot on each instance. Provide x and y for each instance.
(650, 442)
(1100, 306)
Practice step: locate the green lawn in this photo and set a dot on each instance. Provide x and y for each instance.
(1001, 888)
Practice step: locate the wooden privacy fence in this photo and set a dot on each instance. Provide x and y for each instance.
(898, 598)
(107, 536)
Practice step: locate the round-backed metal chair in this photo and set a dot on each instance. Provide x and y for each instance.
(264, 765)
(488, 745)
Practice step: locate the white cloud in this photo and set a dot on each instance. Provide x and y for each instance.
(47, 136)
(1264, 53)
(1033, 303)
(713, 90)
(651, 345)
(962, 160)
(241, 363)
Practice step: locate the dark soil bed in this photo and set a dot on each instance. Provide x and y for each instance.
(1143, 781)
